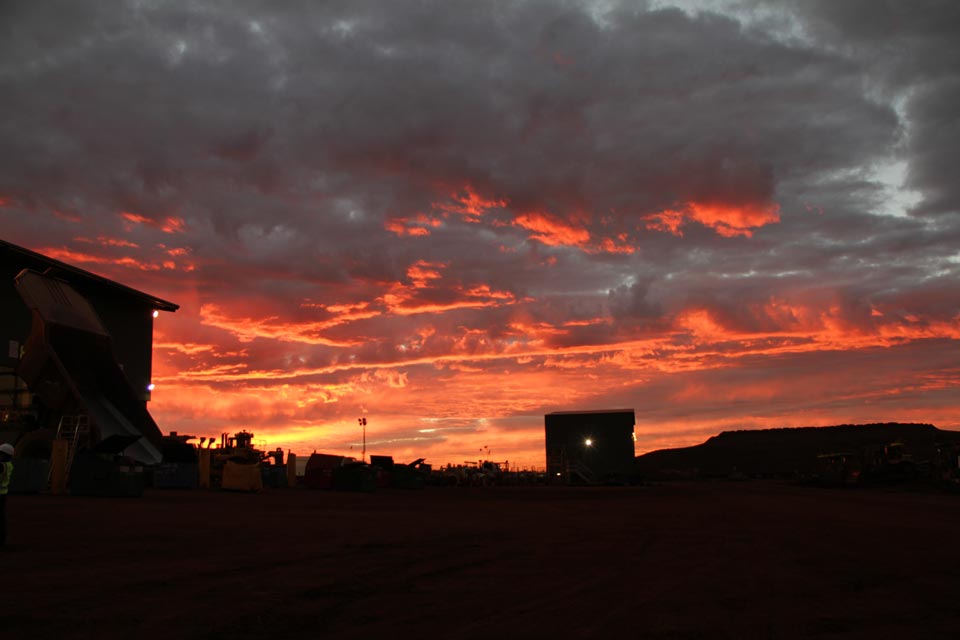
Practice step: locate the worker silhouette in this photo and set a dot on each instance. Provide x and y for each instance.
(6, 472)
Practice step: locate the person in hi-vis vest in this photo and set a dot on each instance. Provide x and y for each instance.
(6, 472)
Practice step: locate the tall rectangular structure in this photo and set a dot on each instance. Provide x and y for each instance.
(126, 313)
(590, 447)
(73, 343)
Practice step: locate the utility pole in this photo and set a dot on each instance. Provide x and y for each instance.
(363, 425)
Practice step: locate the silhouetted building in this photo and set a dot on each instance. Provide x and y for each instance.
(590, 447)
(126, 314)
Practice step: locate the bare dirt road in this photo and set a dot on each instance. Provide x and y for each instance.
(698, 560)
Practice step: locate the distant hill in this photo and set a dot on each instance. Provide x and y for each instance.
(783, 452)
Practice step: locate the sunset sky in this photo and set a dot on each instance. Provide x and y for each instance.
(454, 217)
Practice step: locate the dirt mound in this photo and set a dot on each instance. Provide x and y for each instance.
(788, 452)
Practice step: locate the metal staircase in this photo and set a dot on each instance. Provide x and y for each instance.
(577, 469)
(75, 430)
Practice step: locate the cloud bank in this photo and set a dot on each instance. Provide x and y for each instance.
(455, 217)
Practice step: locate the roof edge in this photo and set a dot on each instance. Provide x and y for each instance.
(157, 303)
(589, 411)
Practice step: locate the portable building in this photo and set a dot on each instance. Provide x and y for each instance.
(590, 447)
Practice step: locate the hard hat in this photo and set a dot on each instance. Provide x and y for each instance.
(6, 448)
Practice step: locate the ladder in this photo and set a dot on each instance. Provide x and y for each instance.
(75, 430)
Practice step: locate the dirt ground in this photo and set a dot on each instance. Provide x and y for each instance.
(697, 560)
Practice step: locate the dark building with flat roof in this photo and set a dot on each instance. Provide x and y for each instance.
(125, 313)
(590, 447)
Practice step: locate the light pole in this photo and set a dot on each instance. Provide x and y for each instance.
(363, 425)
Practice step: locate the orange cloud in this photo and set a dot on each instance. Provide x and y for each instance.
(247, 329)
(669, 220)
(484, 291)
(187, 348)
(727, 220)
(469, 204)
(404, 300)
(401, 306)
(702, 324)
(618, 245)
(479, 372)
(553, 231)
(536, 332)
(711, 344)
(172, 225)
(419, 225)
(343, 313)
(169, 224)
(135, 217)
(286, 406)
(68, 255)
(422, 272)
(109, 242)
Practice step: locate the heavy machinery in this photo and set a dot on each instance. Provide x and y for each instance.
(839, 469)
(412, 475)
(330, 471)
(68, 364)
(181, 463)
(235, 464)
(893, 463)
(874, 464)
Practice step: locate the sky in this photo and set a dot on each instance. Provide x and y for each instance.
(451, 218)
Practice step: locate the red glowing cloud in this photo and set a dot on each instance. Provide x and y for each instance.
(518, 371)
(469, 204)
(569, 208)
(108, 242)
(620, 244)
(422, 272)
(552, 230)
(78, 257)
(169, 224)
(247, 329)
(418, 225)
(727, 220)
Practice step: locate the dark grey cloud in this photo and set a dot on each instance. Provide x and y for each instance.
(535, 101)
(910, 54)
(296, 131)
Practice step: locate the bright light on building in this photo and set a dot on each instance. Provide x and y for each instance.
(155, 313)
(588, 442)
(150, 387)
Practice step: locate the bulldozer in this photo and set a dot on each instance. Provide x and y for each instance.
(838, 469)
(235, 465)
(892, 463)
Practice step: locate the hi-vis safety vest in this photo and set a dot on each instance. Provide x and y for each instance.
(5, 477)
